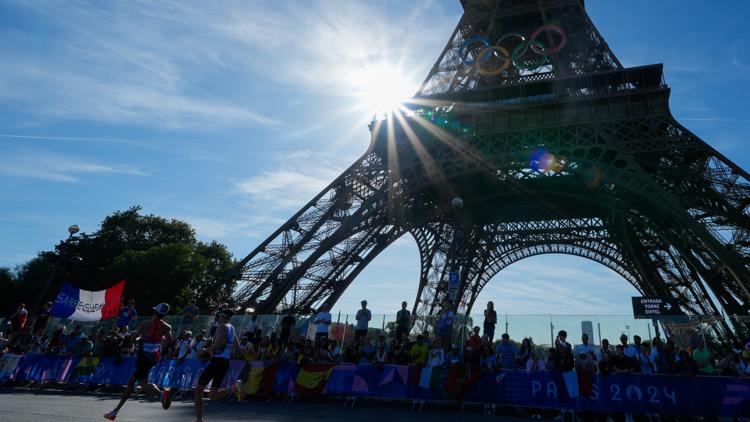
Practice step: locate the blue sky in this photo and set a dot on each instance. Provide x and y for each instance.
(232, 116)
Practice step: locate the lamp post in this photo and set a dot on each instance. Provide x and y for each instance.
(72, 230)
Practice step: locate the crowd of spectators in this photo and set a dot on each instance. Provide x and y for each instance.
(27, 335)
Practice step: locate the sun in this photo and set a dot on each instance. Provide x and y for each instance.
(382, 88)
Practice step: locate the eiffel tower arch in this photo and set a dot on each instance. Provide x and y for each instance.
(527, 137)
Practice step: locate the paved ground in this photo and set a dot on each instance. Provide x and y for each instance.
(26, 406)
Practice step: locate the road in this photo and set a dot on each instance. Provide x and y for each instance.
(30, 406)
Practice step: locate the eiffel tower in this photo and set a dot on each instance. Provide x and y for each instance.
(527, 137)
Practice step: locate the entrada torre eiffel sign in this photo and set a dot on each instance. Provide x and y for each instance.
(528, 137)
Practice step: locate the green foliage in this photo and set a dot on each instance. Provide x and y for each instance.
(161, 260)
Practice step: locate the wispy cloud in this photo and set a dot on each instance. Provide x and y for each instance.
(58, 168)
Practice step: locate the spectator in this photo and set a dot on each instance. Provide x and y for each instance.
(188, 316)
(127, 314)
(534, 364)
(184, 344)
(198, 344)
(585, 347)
(506, 352)
(404, 340)
(381, 356)
(403, 321)
(401, 356)
(445, 323)
(85, 346)
(419, 352)
(73, 339)
(111, 344)
(490, 320)
(287, 323)
(730, 365)
(18, 318)
(631, 351)
(488, 359)
(565, 352)
(604, 357)
(685, 364)
(473, 350)
(454, 358)
(42, 316)
(665, 359)
(427, 339)
(3, 342)
(437, 354)
(702, 358)
(621, 364)
(363, 318)
(524, 354)
(322, 321)
(252, 327)
(552, 362)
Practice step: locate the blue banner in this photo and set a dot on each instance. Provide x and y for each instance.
(626, 393)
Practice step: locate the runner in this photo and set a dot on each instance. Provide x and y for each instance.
(149, 336)
(224, 342)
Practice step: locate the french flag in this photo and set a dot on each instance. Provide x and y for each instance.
(83, 305)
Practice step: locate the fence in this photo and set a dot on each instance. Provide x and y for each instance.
(625, 393)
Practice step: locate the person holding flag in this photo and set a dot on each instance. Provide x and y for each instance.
(224, 343)
(149, 337)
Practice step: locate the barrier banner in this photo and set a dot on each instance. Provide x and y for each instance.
(626, 393)
(8, 363)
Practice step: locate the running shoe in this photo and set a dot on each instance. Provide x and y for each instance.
(111, 416)
(166, 398)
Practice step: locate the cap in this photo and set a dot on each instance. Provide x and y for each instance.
(455, 346)
(226, 313)
(162, 308)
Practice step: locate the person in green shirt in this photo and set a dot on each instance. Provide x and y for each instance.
(702, 357)
(419, 352)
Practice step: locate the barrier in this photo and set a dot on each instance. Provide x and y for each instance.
(626, 393)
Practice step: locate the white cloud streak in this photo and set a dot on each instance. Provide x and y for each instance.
(58, 168)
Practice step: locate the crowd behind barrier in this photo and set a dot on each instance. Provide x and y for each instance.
(447, 357)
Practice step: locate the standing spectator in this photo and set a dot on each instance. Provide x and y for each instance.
(322, 321)
(565, 352)
(73, 339)
(685, 365)
(403, 321)
(445, 323)
(473, 348)
(604, 357)
(630, 351)
(524, 354)
(401, 356)
(127, 314)
(506, 352)
(184, 345)
(488, 360)
(188, 316)
(490, 320)
(198, 344)
(702, 357)
(42, 316)
(18, 318)
(419, 352)
(252, 327)
(665, 359)
(585, 348)
(552, 361)
(363, 321)
(621, 364)
(287, 323)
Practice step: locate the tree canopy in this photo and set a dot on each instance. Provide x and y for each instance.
(161, 259)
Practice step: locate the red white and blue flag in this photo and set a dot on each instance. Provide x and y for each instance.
(83, 305)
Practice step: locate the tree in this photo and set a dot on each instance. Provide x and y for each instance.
(161, 260)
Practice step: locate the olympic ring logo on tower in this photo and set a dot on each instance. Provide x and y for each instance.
(502, 58)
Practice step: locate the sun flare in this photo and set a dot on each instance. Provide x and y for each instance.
(382, 88)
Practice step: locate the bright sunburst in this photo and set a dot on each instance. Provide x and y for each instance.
(382, 88)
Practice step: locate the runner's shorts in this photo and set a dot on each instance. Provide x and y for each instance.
(143, 364)
(215, 371)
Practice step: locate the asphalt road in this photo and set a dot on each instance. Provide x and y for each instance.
(29, 406)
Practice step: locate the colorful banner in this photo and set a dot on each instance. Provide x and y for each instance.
(626, 393)
(83, 305)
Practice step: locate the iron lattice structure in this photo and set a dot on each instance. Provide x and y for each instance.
(554, 147)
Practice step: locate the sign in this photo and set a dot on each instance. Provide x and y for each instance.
(654, 307)
(83, 305)
(453, 285)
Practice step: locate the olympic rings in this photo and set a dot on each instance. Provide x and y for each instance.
(488, 51)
